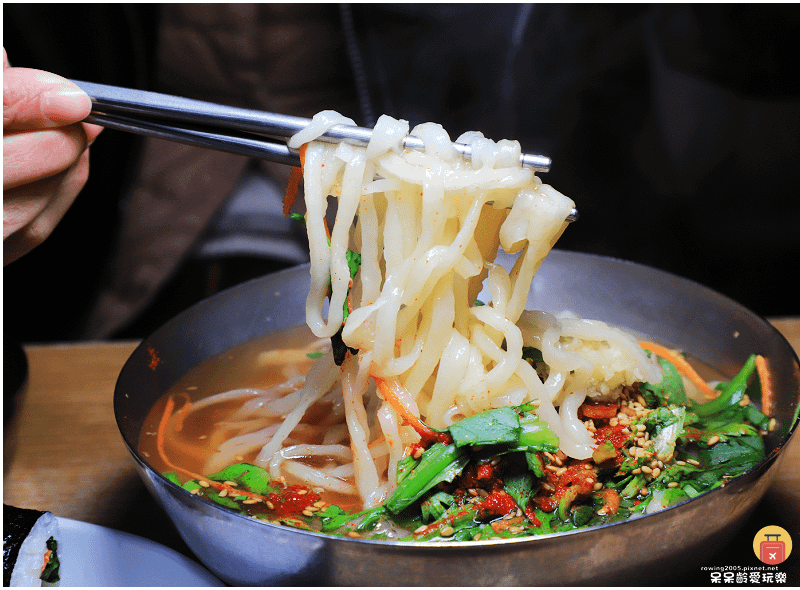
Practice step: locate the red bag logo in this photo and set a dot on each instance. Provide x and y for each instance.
(772, 545)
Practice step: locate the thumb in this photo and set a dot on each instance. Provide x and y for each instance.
(33, 99)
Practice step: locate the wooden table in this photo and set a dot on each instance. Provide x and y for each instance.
(69, 457)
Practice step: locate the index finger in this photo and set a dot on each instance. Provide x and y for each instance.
(33, 99)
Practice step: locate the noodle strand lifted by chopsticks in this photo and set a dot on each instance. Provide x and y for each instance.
(428, 230)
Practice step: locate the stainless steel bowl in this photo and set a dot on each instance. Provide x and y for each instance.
(243, 551)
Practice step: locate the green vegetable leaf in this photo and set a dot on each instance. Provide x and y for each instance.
(737, 454)
(434, 507)
(50, 573)
(439, 463)
(224, 501)
(497, 426)
(666, 430)
(532, 355)
(249, 477)
(535, 464)
(731, 393)
(173, 477)
(334, 518)
(519, 484)
(536, 434)
(604, 452)
(669, 391)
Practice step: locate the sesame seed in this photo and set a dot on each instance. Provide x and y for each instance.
(656, 472)
(672, 484)
(251, 501)
(204, 483)
(477, 537)
(354, 535)
(232, 484)
(597, 486)
(646, 469)
(447, 531)
(420, 529)
(694, 462)
(223, 493)
(772, 424)
(302, 492)
(319, 503)
(680, 462)
(270, 505)
(515, 529)
(713, 440)
(644, 491)
(307, 512)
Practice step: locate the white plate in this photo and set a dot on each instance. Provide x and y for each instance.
(92, 555)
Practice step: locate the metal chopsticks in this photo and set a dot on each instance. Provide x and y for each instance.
(207, 124)
(248, 132)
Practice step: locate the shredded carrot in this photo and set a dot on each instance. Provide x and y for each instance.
(182, 413)
(161, 435)
(681, 364)
(47, 555)
(377, 441)
(294, 182)
(291, 190)
(422, 429)
(766, 385)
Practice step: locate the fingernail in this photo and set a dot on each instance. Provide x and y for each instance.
(66, 105)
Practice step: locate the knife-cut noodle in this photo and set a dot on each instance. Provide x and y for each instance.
(523, 416)
(427, 227)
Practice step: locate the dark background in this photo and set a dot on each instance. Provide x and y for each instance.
(674, 128)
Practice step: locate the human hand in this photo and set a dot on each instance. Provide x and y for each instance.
(45, 154)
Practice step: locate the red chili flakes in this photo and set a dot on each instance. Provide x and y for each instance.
(578, 477)
(485, 472)
(292, 500)
(154, 358)
(497, 504)
(613, 434)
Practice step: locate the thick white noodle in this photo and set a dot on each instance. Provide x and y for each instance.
(428, 228)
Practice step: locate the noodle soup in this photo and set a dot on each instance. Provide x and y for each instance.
(207, 432)
(423, 413)
(224, 420)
